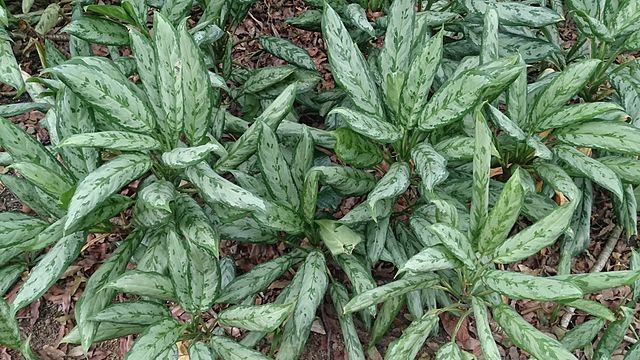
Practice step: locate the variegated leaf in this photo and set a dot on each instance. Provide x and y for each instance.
(339, 297)
(194, 225)
(155, 340)
(485, 335)
(144, 283)
(395, 288)
(591, 169)
(17, 227)
(255, 280)
(561, 89)
(430, 165)
(312, 291)
(180, 158)
(408, 345)
(275, 170)
(216, 189)
(95, 298)
(98, 30)
(393, 183)
(194, 272)
(48, 270)
(503, 215)
(102, 183)
(228, 349)
(169, 76)
(267, 317)
(139, 312)
(100, 83)
(349, 67)
(287, 51)
(535, 237)
(522, 286)
(527, 337)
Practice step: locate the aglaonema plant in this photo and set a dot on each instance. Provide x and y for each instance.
(460, 260)
(109, 132)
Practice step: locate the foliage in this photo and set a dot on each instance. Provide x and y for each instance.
(438, 133)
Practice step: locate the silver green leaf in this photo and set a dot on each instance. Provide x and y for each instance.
(155, 340)
(275, 170)
(503, 215)
(430, 165)
(255, 280)
(376, 236)
(98, 30)
(134, 312)
(614, 335)
(228, 349)
(147, 65)
(582, 335)
(9, 275)
(535, 237)
(349, 67)
(481, 167)
(17, 227)
(49, 269)
(144, 283)
(395, 288)
(575, 114)
(430, 259)
(408, 345)
(396, 50)
(267, 317)
(200, 351)
(359, 276)
(368, 126)
(591, 168)
(339, 297)
(194, 225)
(102, 183)
(196, 90)
(267, 77)
(527, 337)
(180, 158)
(113, 140)
(453, 100)
(457, 244)
(169, 76)
(485, 335)
(194, 272)
(419, 79)
(522, 286)
(10, 71)
(44, 179)
(393, 183)
(312, 291)
(9, 332)
(387, 314)
(561, 89)
(247, 144)
(287, 51)
(611, 136)
(95, 298)
(24, 148)
(595, 282)
(100, 83)
(216, 189)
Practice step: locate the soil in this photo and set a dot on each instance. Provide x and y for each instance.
(49, 319)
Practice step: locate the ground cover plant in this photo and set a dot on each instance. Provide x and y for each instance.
(464, 137)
